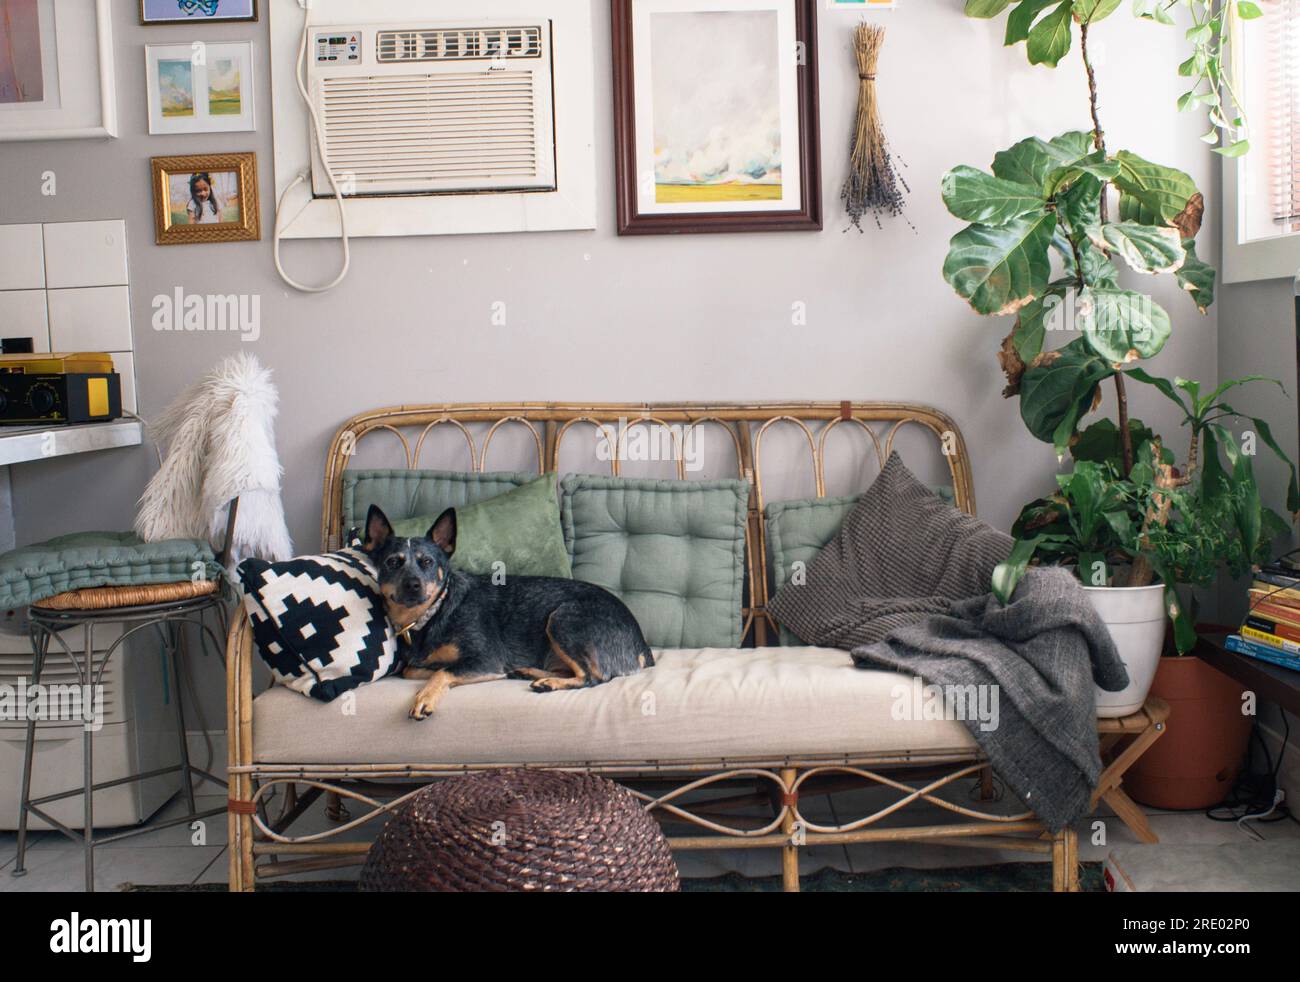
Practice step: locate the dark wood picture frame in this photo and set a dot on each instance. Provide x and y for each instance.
(808, 217)
(199, 20)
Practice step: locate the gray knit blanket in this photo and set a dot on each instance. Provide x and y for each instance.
(905, 586)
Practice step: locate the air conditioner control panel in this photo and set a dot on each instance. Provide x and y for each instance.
(338, 48)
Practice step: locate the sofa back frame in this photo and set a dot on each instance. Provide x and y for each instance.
(747, 425)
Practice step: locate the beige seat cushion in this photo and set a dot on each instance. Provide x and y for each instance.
(696, 704)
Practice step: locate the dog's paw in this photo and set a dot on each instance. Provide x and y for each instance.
(422, 710)
(546, 685)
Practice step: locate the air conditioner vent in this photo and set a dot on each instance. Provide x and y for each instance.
(460, 44)
(394, 134)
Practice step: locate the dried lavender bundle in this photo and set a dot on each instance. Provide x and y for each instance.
(874, 183)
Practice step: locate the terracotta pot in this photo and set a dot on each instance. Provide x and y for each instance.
(1196, 762)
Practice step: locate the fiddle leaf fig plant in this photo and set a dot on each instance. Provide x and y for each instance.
(1058, 230)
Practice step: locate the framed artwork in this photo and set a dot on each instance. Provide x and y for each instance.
(192, 11)
(200, 87)
(206, 198)
(56, 70)
(716, 116)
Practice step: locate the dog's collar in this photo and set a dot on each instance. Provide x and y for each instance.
(423, 620)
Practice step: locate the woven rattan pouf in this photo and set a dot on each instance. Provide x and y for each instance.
(521, 830)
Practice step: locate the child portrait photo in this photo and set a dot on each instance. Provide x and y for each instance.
(206, 198)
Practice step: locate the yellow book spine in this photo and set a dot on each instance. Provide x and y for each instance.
(1272, 640)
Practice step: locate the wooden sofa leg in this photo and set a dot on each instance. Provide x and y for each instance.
(1065, 861)
(790, 851)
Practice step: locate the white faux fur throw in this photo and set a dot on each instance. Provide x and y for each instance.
(220, 441)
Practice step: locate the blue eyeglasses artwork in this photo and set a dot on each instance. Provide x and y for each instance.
(208, 8)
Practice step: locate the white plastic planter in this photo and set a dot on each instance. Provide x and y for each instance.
(1135, 617)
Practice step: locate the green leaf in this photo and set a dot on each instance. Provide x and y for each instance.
(1197, 277)
(1021, 20)
(1247, 10)
(1184, 629)
(1163, 385)
(1091, 11)
(1120, 325)
(1095, 164)
(1146, 248)
(986, 8)
(999, 270)
(1266, 434)
(1203, 406)
(1156, 10)
(1034, 320)
(1007, 575)
(1032, 161)
(974, 196)
(1049, 39)
(1101, 444)
(1152, 194)
(1058, 391)
(1247, 506)
(1238, 149)
(1080, 208)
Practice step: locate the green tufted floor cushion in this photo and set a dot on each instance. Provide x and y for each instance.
(673, 551)
(798, 530)
(85, 560)
(404, 494)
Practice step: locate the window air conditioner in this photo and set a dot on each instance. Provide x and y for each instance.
(420, 109)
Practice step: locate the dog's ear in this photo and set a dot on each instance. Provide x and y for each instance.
(443, 531)
(378, 529)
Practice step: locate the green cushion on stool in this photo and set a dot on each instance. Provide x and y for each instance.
(84, 560)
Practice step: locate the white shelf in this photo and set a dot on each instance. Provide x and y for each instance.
(19, 444)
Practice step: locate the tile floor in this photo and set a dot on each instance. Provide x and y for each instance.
(180, 856)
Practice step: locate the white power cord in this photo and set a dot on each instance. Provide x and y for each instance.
(299, 76)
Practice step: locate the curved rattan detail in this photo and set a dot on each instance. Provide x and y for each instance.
(679, 453)
(105, 597)
(446, 420)
(487, 442)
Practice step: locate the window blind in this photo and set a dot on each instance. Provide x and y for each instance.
(1281, 28)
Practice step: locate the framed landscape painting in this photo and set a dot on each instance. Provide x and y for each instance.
(716, 116)
(200, 87)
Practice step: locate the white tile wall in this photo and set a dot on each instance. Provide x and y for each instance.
(23, 315)
(124, 362)
(97, 318)
(64, 285)
(22, 264)
(80, 254)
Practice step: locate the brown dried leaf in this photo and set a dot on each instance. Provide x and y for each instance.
(1188, 221)
(1012, 365)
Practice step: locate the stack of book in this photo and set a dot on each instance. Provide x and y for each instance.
(1271, 631)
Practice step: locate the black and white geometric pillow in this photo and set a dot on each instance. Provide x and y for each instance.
(319, 622)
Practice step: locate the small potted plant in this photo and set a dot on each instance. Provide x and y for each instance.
(1056, 229)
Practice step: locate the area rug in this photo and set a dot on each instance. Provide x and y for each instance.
(1002, 878)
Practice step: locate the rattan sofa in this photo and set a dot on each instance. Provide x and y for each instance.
(770, 723)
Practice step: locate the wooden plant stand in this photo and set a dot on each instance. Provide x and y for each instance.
(1123, 742)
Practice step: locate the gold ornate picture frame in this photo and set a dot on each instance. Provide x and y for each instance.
(206, 198)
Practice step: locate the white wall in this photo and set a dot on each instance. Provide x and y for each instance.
(592, 316)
